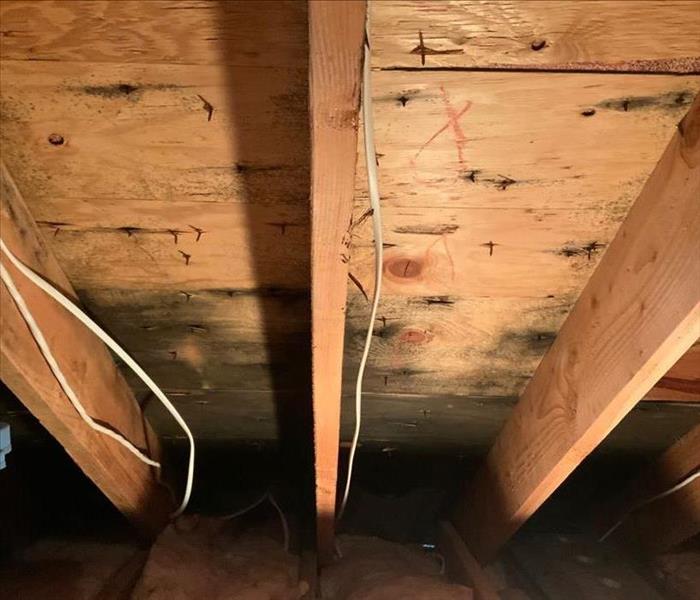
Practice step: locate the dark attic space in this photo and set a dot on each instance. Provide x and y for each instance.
(349, 300)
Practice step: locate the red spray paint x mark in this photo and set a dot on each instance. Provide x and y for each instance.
(453, 117)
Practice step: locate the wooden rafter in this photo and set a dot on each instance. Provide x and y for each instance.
(638, 314)
(461, 564)
(130, 484)
(671, 519)
(682, 382)
(336, 34)
(667, 522)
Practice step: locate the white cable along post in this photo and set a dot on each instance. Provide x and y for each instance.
(77, 312)
(373, 184)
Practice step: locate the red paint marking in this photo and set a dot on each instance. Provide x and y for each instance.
(452, 121)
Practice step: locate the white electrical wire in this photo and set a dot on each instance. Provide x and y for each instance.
(668, 492)
(72, 308)
(283, 519)
(258, 502)
(373, 184)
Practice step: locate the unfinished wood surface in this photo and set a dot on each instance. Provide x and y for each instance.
(158, 31)
(130, 484)
(461, 564)
(682, 382)
(178, 179)
(638, 314)
(498, 200)
(146, 132)
(164, 150)
(597, 36)
(336, 35)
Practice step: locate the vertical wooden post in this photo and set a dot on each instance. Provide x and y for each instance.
(336, 36)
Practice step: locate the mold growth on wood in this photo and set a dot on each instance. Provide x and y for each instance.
(439, 300)
(500, 182)
(528, 340)
(588, 249)
(116, 91)
(670, 101)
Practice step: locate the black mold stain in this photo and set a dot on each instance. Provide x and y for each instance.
(589, 249)
(670, 101)
(248, 168)
(427, 229)
(533, 341)
(265, 292)
(408, 372)
(443, 300)
(385, 331)
(122, 90)
(488, 380)
(501, 182)
(116, 90)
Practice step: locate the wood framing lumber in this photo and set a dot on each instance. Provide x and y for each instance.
(665, 523)
(461, 564)
(336, 36)
(638, 314)
(669, 520)
(131, 485)
(682, 382)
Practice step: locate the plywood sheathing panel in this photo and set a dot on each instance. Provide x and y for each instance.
(129, 86)
(164, 149)
(598, 36)
(500, 193)
(260, 33)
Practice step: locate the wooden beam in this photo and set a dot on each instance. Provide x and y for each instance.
(670, 520)
(461, 565)
(336, 35)
(665, 523)
(638, 314)
(127, 482)
(682, 382)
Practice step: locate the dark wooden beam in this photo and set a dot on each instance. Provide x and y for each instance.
(336, 36)
(638, 314)
(461, 565)
(671, 519)
(129, 483)
(665, 523)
